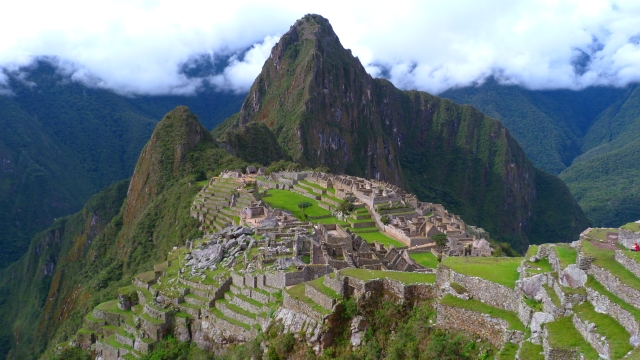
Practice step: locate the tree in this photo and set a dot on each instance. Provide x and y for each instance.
(303, 206)
(440, 240)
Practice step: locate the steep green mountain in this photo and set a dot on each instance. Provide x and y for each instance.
(81, 260)
(61, 142)
(588, 137)
(606, 178)
(323, 109)
(549, 125)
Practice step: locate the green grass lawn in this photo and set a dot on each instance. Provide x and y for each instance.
(508, 352)
(605, 259)
(503, 270)
(617, 336)
(332, 220)
(566, 254)
(478, 306)
(533, 249)
(632, 226)
(289, 200)
(531, 351)
(381, 238)
(405, 277)
(601, 233)
(202, 183)
(426, 259)
(539, 267)
(310, 184)
(563, 335)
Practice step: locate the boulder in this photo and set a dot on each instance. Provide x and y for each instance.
(530, 286)
(573, 277)
(538, 319)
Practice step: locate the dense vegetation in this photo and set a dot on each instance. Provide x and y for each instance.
(82, 259)
(61, 142)
(589, 137)
(315, 104)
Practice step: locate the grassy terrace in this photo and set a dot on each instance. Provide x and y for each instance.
(503, 271)
(632, 226)
(539, 267)
(310, 184)
(595, 285)
(381, 238)
(566, 254)
(531, 351)
(478, 306)
(112, 307)
(220, 315)
(426, 259)
(289, 200)
(605, 259)
(563, 335)
(601, 234)
(508, 352)
(617, 336)
(404, 277)
(552, 294)
(297, 292)
(319, 285)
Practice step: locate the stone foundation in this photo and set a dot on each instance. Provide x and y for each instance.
(494, 330)
(613, 284)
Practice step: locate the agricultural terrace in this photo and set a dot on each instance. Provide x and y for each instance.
(289, 200)
(501, 270)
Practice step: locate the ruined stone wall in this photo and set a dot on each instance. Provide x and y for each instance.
(335, 283)
(628, 238)
(551, 353)
(275, 280)
(300, 307)
(589, 333)
(602, 304)
(554, 261)
(483, 290)
(613, 284)
(487, 327)
(628, 263)
(318, 297)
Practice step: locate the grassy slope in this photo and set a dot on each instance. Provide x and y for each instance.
(88, 273)
(503, 271)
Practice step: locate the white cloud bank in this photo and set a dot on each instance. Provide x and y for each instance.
(140, 47)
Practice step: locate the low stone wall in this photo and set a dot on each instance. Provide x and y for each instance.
(234, 315)
(613, 284)
(301, 307)
(602, 304)
(318, 297)
(589, 333)
(548, 306)
(237, 279)
(385, 286)
(489, 328)
(628, 263)
(558, 354)
(567, 300)
(554, 261)
(124, 340)
(281, 279)
(628, 238)
(335, 283)
(158, 314)
(480, 289)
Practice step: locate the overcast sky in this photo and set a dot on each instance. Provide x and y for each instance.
(140, 47)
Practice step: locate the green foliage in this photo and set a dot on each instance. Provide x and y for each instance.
(172, 349)
(385, 219)
(346, 206)
(72, 353)
(440, 240)
(304, 205)
(350, 308)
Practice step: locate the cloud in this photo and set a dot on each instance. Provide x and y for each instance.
(240, 74)
(142, 47)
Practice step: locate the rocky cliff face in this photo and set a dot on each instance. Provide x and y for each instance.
(175, 135)
(324, 109)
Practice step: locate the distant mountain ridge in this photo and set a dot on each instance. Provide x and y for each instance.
(315, 104)
(61, 142)
(588, 137)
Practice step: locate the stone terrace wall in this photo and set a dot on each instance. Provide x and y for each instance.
(335, 283)
(630, 264)
(604, 305)
(557, 354)
(589, 333)
(301, 307)
(628, 238)
(397, 289)
(323, 300)
(483, 290)
(489, 328)
(613, 284)
(554, 261)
